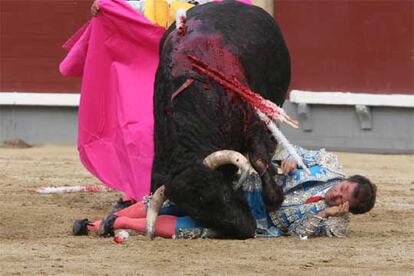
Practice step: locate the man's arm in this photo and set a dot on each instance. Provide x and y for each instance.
(335, 211)
(309, 157)
(332, 222)
(314, 226)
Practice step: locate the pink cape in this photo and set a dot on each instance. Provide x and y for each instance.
(116, 54)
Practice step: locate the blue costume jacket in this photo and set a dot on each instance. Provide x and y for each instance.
(295, 217)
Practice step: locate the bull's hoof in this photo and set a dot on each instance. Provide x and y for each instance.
(150, 235)
(211, 234)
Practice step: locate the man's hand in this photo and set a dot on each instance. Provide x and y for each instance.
(289, 166)
(335, 211)
(95, 8)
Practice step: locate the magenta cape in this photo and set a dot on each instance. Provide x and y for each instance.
(116, 54)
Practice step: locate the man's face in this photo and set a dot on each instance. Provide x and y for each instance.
(340, 193)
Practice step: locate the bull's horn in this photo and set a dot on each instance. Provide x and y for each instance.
(154, 206)
(222, 157)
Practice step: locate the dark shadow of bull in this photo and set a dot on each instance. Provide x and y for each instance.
(196, 115)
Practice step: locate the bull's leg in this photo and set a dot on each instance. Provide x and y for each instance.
(205, 195)
(261, 148)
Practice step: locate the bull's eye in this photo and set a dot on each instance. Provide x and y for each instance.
(226, 196)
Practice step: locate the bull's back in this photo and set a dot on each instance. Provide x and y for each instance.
(240, 40)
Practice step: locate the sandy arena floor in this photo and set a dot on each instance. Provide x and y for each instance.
(35, 236)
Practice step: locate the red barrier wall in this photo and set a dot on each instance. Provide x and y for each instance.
(32, 32)
(362, 46)
(357, 46)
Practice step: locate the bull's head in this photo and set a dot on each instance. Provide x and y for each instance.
(212, 161)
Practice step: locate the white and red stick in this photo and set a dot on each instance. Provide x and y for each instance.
(71, 189)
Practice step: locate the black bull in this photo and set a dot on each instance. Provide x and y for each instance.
(242, 43)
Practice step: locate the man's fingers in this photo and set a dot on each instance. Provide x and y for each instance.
(346, 207)
(294, 166)
(340, 210)
(288, 166)
(284, 167)
(343, 208)
(331, 211)
(336, 210)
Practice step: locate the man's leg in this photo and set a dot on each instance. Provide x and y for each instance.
(137, 210)
(83, 226)
(165, 226)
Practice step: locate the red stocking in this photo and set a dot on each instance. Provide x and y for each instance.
(94, 226)
(137, 210)
(165, 226)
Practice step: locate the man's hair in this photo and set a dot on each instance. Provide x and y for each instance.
(365, 193)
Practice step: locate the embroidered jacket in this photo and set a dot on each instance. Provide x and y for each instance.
(297, 218)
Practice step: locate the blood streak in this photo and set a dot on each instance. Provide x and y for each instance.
(236, 86)
(182, 28)
(207, 47)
